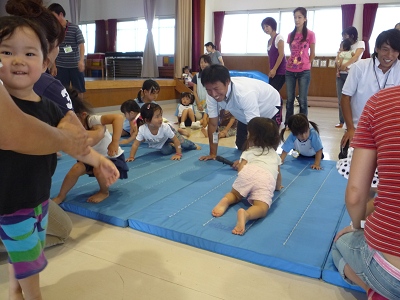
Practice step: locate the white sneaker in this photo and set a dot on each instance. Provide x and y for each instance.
(182, 125)
(196, 125)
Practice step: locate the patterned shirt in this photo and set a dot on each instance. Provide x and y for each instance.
(69, 55)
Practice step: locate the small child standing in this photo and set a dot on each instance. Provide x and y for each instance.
(259, 174)
(303, 139)
(159, 135)
(107, 145)
(131, 110)
(187, 76)
(344, 55)
(185, 112)
(25, 180)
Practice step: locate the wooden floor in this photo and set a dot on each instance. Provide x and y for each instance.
(104, 262)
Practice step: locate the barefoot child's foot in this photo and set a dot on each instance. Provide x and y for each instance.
(98, 197)
(241, 222)
(220, 208)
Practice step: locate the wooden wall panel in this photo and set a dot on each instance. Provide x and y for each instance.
(323, 81)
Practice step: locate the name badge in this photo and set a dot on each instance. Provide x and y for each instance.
(215, 138)
(67, 49)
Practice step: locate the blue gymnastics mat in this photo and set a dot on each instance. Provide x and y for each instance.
(151, 177)
(174, 199)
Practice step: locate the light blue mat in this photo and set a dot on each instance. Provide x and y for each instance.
(174, 199)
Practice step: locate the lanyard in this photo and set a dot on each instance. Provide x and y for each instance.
(376, 76)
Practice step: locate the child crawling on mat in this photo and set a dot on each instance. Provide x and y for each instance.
(258, 174)
(105, 144)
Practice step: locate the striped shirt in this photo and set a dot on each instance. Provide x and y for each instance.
(73, 38)
(378, 129)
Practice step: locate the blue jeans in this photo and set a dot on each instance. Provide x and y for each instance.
(352, 249)
(185, 144)
(339, 87)
(304, 82)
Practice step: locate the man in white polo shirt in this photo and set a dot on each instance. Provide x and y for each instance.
(369, 76)
(245, 98)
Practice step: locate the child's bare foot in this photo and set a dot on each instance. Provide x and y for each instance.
(198, 147)
(204, 132)
(184, 132)
(58, 199)
(241, 222)
(98, 197)
(220, 208)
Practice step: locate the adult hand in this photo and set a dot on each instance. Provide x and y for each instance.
(272, 73)
(348, 136)
(207, 157)
(108, 169)
(75, 140)
(81, 66)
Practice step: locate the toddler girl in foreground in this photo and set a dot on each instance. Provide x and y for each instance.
(303, 139)
(159, 135)
(258, 174)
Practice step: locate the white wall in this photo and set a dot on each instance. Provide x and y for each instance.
(245, 5)
(92, 10)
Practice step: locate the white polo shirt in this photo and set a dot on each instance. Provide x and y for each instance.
(365, 80)
(247, 98)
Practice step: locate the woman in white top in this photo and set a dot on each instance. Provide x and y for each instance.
(358, 48)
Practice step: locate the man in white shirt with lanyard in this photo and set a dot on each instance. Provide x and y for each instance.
(245, 98)
(369, 76)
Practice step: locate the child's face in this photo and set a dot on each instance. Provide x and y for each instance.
(157, 119)
(130, 116)
(187, 71)
(304, 136)
(150, 95)
(203, 64)
(185, 101)
(22, 58)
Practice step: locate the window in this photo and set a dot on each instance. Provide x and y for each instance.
(325, 22)
(89, 33)
(131, 36)
(383, 14)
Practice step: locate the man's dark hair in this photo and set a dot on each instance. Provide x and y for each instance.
(57, 8)
(390, 37)
(215, 73)
(210, 44)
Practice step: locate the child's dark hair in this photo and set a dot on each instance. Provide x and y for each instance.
(346, 44)
(304, 31)
(188, 95)
(79, 105)
(263, 132)
(298, 124)
(130, 105)
(35, 11)
(9, 24)
(148, 85)
(185, 68)
(147, 111)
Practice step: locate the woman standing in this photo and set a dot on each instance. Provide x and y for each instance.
(357, 47)
(276, 54)
(216, 57)
(302, 51)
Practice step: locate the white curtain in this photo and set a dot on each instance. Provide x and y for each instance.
(183, 36)
(75, 6)
(149, 68)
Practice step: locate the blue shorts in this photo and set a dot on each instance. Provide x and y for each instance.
(73, 77)
(23, 234)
